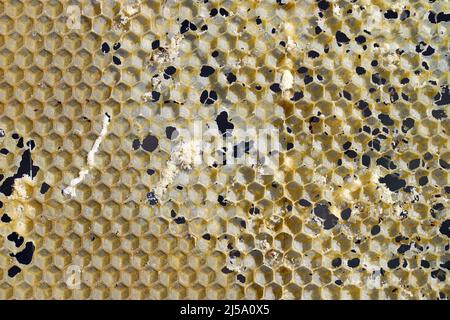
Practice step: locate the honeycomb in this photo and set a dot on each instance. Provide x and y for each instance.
(104, 195)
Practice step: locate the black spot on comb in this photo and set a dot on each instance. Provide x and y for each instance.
(155, 44)
(13, 271)
(26, 167)
(442, 98)
(151, 198)
(105, 48)
(434, 17)
(341, 37)
(231, 77)
(16, 238)
(44, 188)
(445, 228)
(26, 255)
(117, 61)
(150, 143)
(5, 218)
(225, 126)
(206, 71)
(208, 97)
(171, 132)
(391, 14)
(439, 114)
(313, 54)
(393, 182)
(323, 5)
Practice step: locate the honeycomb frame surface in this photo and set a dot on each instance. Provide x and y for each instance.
(104, 195)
